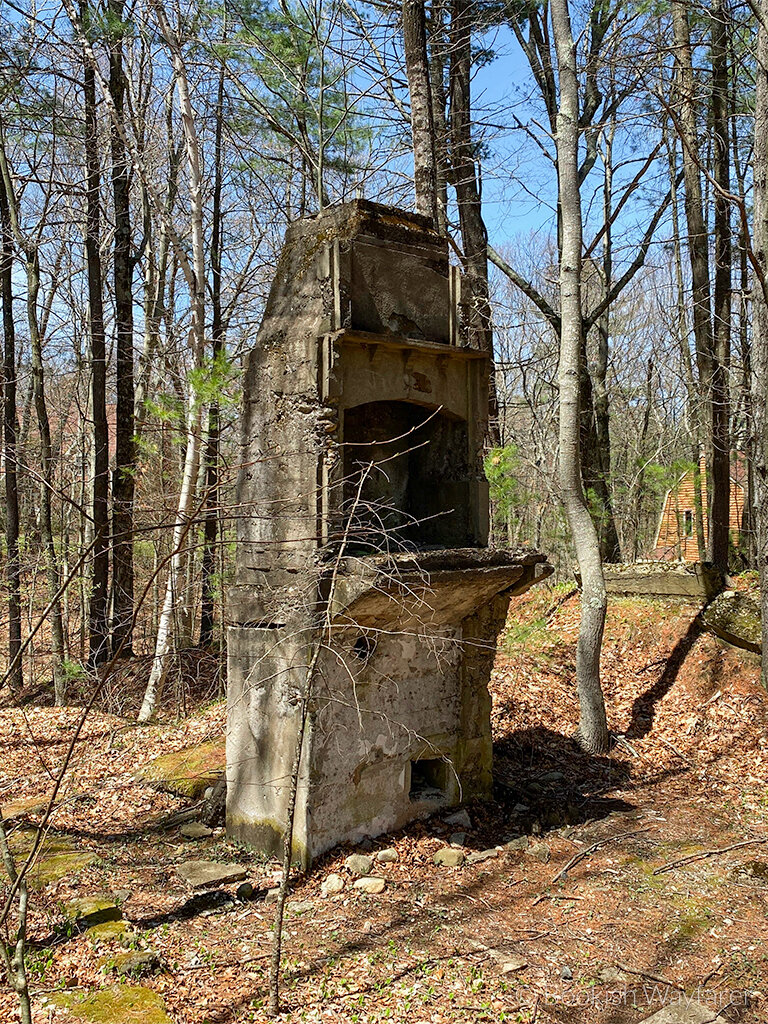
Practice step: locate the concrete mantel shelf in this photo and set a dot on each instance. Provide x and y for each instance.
(431, 588)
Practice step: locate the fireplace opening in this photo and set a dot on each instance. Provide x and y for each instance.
(429, 779)
(406, 477)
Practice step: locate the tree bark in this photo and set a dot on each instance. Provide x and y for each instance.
(437, 62)
(32, 271)
(422, 122)
(211, 527)
(760, 321)
(99, 598)
(721, 448)
(125, 458)
(10, 434)
(474, 237)
(695, 416)
(698, 240)
(593, 734)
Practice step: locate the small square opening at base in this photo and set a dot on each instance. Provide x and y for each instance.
(429, 779)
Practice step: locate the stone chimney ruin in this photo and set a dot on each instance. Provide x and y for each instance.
(362, 564)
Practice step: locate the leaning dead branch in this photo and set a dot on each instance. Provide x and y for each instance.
(591, 849)
(707, 853)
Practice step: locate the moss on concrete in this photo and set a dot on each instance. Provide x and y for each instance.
(121, 1004)
(190, 771)
(735, 618)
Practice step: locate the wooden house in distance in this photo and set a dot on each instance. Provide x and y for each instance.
(676, 535)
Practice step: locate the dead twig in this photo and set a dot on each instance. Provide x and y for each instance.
(676, 751)
(555, 896)
(651, 977)
(591, 849)
(707, 853)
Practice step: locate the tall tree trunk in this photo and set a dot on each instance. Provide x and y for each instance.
(610, 548)
(437, 61)
(474, 237)
(593, 733)
(760, 322)
(46, 448)
(211, 528)
(32, 271)
(721, 447)
(195, 276)
(125, 458)
(10, 432)
(698, 240)
(694, 403)
(422, 122)
(99, 598)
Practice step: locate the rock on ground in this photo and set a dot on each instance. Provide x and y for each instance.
(685, 1011)
(372, 884)
(478, 856)
(92, 910)
(195, 830)
(201, 874)
(460, 818)
(735, 618)
(126, 1004)
(332, 884)
(448, 857)
(188, 772)
(358, 864)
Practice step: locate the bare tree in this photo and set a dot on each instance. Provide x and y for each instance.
(760, 323)
(195, 275)
(593, 732)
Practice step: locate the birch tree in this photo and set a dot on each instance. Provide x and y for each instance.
(195, 277)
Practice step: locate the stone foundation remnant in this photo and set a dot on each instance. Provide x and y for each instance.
(362, 555)
(695, 581)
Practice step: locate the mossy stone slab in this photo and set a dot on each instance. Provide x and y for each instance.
(92, 910)
(187, 772)
(121, 1004)
(130, 962)
(735, 618)
(108, 931)
(206, 874)
(55, 860)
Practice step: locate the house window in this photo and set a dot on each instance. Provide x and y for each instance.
(688, 523)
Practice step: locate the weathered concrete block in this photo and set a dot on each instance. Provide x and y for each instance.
(362, 570)
(696, 581)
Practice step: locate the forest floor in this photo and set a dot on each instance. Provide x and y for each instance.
(496, 940)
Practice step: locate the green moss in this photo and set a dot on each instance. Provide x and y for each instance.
(92, 910)
(265, 836)
(190, 771)
(130, 963)
(107, 931)
(695, 918)
(56, 859)
(123, 1004)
